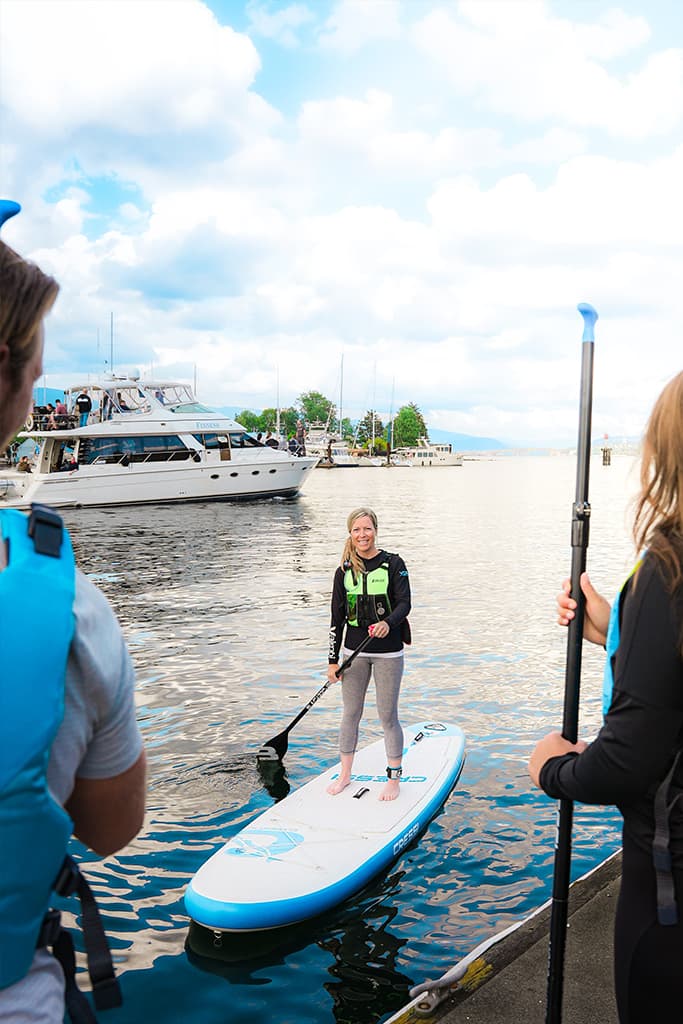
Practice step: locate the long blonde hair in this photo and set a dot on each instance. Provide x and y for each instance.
(349, 555)
(658, 523)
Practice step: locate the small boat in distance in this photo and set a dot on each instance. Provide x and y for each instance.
(333, 452)
(147, 442)
(426, 453)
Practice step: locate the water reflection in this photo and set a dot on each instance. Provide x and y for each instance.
(226, 609)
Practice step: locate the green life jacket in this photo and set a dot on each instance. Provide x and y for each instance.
(367, 596)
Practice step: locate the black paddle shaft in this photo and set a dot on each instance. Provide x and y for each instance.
(570, 723)
(276, 748)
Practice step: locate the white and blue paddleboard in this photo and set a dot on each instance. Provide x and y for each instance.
(312, 850)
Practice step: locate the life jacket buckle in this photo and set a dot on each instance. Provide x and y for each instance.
(45, 529)
(49, 929)
(106, 993)
(66, 883)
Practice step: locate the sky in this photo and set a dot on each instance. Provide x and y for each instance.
(387, 201)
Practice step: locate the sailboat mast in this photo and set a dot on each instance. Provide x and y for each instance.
(341, 388)
(277, 393)
(374, 389)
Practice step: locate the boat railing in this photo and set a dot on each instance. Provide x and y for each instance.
(128, 458)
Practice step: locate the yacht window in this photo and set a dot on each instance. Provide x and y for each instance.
(192, 409)
(242, 440)
(212, 441)
(111, 449)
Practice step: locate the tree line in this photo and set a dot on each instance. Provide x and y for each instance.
(312, 407)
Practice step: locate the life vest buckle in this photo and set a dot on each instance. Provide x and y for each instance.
(45, 529)
(66, 883)
(50, 929)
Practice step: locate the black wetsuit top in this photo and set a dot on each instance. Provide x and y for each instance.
(399, 599)
(644, 727)
(631, 755)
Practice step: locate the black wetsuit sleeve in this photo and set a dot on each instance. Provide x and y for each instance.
(644, 726)
(337, 617)
(399, 592)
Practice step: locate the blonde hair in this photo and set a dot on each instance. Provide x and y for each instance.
(350, 556)
(26, 295)
(658, 523)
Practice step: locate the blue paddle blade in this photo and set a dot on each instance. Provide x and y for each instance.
(8, 208)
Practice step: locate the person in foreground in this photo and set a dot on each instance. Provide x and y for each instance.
(370, 594)
(635, 760)
(71, 755)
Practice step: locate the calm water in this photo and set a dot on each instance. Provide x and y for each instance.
(225, 608)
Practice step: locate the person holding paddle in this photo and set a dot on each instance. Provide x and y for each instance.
(635, 761)
(370, 597)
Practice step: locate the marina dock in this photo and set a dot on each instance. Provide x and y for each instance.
(506, 983)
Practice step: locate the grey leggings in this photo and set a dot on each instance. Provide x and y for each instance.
(355, 681)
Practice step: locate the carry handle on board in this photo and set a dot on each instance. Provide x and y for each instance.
(275, 749)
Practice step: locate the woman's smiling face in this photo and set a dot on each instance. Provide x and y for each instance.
(364, 536)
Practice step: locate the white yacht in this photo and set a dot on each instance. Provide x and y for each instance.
(426, 453)
(146, 442)
(334, 453)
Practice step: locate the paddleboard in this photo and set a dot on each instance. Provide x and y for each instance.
(311, 851)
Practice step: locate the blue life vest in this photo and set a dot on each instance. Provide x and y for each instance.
(36, 598)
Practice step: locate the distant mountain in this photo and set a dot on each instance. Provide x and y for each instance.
(467, 442)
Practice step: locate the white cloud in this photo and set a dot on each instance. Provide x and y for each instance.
(353, 24)
(278, 22)
(519, 60)
(141, 67)
(440, 229)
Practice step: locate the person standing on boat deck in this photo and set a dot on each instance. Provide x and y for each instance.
(80, 751)
(83, 404)
(370, 594)
(635, 760)
(300, 437)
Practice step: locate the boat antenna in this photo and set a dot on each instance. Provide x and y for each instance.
(111, 344)
(341, 389)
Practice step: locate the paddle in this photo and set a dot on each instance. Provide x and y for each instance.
(275, 749)
(570, 723)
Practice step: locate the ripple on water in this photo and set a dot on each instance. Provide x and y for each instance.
(226, 611)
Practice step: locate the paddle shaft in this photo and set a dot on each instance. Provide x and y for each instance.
(277, 747)
(570, 723)
(316, 696)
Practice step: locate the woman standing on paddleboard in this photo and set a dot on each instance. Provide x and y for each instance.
(635, 761)
(370, 595)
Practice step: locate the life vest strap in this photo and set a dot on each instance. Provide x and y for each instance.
(667, 910)
(105, 987)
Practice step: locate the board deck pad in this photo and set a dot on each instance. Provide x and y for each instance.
(312, 850)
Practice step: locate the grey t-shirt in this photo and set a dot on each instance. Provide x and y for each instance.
(98, 739)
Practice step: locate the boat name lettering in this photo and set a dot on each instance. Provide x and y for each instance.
(406, 837)
(209, 425)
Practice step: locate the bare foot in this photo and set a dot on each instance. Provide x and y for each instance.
(390, 791)
(338, 785)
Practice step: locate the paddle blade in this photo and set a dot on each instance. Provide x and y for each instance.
(273, 750)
